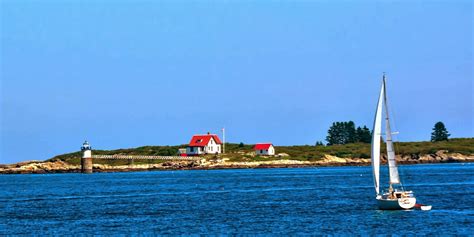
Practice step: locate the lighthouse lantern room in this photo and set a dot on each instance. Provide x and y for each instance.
(86, 150)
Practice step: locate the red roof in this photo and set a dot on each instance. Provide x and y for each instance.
(203, 140)
(262, 146)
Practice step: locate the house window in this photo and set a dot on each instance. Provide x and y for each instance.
(191, 149)
(210, 148)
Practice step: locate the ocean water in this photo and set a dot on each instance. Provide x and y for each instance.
(329, 200)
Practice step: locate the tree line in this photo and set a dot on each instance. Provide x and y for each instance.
(346, 132)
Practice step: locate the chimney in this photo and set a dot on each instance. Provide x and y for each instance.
(208, 133)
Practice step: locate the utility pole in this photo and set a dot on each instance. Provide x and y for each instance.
(223, 139)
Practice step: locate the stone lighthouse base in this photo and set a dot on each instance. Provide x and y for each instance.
(86, 165)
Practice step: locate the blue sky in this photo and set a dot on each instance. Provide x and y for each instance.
(133, 73)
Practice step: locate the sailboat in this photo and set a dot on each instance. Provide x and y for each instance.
(395, 198)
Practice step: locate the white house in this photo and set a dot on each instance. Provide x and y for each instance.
(264, 149)
(182, 151)
(204, 144)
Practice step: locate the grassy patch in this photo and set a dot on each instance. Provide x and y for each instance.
(237, 153)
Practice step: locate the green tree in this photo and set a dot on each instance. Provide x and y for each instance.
(341, 133)
(350, 132)
(345, 132)
(334, 134)
(366, 135)
(319, 143)
(241, 144)
(440, 133)
(363, 135)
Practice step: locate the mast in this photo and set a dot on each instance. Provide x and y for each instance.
(375, 145)
(392, 164)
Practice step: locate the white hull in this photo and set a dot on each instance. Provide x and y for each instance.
(396, 204)
(425, 208)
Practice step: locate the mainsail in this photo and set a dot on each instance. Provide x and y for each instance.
(375, 149)
(392, 164)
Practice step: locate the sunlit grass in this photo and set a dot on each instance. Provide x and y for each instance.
(238, 153)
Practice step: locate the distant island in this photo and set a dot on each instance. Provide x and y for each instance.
(243, 156)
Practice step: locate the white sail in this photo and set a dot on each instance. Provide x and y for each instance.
(392, 164)
(375, 149)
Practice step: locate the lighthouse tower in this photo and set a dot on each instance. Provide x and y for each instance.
(86, 160)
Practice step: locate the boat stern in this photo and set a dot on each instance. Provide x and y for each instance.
(396, 200)
(407, 203)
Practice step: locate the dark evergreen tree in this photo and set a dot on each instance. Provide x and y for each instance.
(364, 135)
(341, 133)
(319, 143)
(358, 134)
(334, 134)
(367, 135)
(330, 138)
(241, 144)
(440, 133)
(345, 132)
(350, 132)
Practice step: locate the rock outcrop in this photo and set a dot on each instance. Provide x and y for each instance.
(224, 163)
(39, 167)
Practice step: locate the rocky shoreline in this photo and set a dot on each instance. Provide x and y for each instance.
(43, 167)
